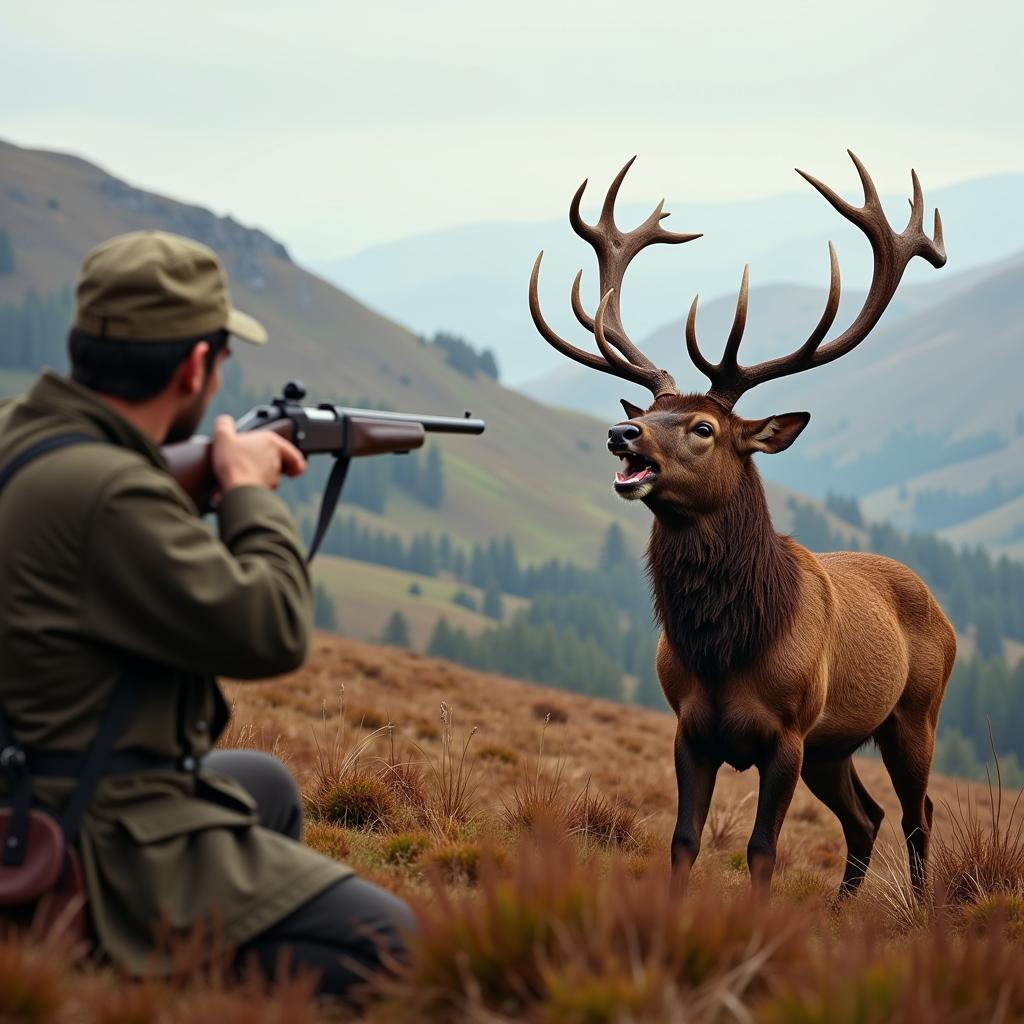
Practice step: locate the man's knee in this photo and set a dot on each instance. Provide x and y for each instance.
(387, 920)
(352, 930)
(268, 782)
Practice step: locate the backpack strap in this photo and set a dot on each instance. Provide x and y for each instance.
(14, 759)
(48, 444)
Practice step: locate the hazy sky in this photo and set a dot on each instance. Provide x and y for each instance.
(338, 125)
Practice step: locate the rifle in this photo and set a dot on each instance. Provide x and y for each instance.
(337, 430)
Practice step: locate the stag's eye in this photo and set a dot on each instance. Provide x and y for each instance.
(704, 430)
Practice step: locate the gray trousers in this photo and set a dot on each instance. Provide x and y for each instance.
(343, 931)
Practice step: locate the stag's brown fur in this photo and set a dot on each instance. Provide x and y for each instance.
(768, 649)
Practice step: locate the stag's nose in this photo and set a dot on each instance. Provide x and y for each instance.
(622, 434)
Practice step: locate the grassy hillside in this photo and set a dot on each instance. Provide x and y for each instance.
(534, 468)
(530, 830)
(366, 595)
(539, 474)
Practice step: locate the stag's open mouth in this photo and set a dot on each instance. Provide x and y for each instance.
(636, 471)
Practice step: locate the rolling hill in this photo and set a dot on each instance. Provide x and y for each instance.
(539, 474)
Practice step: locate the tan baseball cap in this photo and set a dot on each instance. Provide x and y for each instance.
(155, 286)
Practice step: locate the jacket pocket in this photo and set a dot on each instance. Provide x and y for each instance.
(157, 820)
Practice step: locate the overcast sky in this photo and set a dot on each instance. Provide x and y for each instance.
(336, 125)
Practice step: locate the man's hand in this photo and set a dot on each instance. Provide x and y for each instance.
(256, 457)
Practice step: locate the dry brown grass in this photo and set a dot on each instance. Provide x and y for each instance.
(567, 918)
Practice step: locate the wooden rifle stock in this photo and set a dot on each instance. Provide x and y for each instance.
(191, 462)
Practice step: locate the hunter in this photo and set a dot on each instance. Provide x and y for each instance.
(107, 573)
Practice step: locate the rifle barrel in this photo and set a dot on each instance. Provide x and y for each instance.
(432, 424)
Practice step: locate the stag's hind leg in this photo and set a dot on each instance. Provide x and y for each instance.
(836, 785)
(907, 743)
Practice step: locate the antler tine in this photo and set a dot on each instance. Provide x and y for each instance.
(892, 252)
(693, 349)
(916, 222)
(614, 250)
(660, 382)
(739, 323)
(607, 218)
(648, 376)
(579, 225)
(553, 339)
(577, 304)
(622, 343)
(828, 315)
(872, 201)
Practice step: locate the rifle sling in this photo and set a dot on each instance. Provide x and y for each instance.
(329, 502)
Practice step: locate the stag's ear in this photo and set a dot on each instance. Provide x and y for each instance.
(632, 411)
(776, 433)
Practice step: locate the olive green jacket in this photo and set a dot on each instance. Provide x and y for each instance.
(101, 553)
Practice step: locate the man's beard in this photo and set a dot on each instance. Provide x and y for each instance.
(190, 418)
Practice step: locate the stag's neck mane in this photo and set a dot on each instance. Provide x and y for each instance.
(725, 583)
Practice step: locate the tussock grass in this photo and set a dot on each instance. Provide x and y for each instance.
(497, 752)
(359, 801)
(556, 938)
(723, 828)
(406, 848)
(603, 820)
(542, 880)
(328, 839)
(451, 781)
(455, 863)
(982, 854)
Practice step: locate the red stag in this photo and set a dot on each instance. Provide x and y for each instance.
(770, 655)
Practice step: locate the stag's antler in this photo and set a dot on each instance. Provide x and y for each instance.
(615, 249)
(892, 252)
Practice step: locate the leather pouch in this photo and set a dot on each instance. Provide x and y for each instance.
(45, 890)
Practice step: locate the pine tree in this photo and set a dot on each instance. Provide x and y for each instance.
(464, 600)
(489, 364)
(432, 479)
(989, 635)
(325, 614)
(407, 473)
(479, 568)
(442, 640)
(396, 632)
(7, 263)
(493, 607)
(614, 551)
(444, 552)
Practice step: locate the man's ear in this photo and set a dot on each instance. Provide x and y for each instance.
(776, 433)
(632, 411)
(193, 369)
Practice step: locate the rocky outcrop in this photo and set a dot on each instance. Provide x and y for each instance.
(248, 253)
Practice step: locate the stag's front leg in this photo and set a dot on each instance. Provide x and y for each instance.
(779, 769)
(695, 779)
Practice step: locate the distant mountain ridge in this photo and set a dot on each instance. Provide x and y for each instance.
(472, 279)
